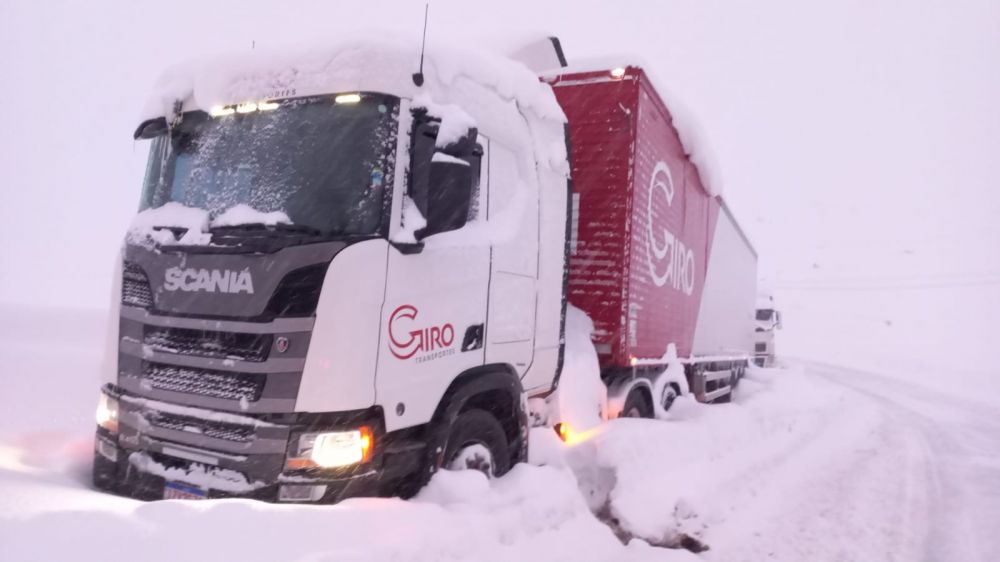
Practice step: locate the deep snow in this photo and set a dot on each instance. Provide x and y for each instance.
(813, 462)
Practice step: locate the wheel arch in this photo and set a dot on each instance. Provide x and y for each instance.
(495, 388)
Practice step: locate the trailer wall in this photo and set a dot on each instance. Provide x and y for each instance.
(642, 222)
(726, 319)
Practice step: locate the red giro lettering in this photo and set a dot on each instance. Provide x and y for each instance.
(406, 341)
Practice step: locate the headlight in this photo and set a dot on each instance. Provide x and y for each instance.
(107, 413)
(332, 449)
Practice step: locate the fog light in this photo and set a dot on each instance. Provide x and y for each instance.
(300, 493)
(107, 413)
(332, 449)
(106, 449)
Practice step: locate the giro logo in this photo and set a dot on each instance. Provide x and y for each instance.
(407, 339)
(210, 281)
(670, 261)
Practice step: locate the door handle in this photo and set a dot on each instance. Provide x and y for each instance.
(473, 338)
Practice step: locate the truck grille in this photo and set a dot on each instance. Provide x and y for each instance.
(135, 287)
(203, 382)
(216, 430)
(220, 345)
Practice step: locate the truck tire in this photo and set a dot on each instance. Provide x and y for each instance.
(477, 442)
(637, 404)
(670, 394)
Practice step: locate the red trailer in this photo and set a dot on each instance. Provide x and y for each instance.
(652, 263)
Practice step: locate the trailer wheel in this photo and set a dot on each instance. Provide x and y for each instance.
(637, 404)
(669, 395)
(477, 442)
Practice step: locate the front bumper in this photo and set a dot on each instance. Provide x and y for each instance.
(245, 460)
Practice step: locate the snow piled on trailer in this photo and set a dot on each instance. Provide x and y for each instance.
(693, 135)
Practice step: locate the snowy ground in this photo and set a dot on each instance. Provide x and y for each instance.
(813, 462)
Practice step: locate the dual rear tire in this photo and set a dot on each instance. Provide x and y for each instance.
(637, 404)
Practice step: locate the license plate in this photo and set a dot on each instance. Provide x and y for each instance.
(182, 491)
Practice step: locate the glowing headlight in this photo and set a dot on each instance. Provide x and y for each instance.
(333, 449)
(347, 98)
(107, 413)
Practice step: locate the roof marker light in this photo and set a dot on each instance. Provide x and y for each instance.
(618, 73)
(220, 110)
(347, 98)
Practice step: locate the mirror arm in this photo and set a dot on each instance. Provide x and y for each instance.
(408, 248)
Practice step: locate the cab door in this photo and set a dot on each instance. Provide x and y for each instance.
(434, 313)
(512, 208)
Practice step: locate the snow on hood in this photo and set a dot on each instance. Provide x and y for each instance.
(693, 136)
(245, 214)
(155, 223)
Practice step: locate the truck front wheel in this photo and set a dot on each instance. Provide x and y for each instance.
(477, 442)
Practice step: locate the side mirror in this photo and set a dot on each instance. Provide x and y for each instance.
(443, 179)
(449, 195)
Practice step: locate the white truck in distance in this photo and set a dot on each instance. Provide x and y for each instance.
(345, 277)
(768, 321)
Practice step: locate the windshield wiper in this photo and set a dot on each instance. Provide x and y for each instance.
(259, 227)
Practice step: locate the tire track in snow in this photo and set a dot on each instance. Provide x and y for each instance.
(961, 443)
(833, 492)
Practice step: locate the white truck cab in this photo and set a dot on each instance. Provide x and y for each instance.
(768, 320)
(340, 280)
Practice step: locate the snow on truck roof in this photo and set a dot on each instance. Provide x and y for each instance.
(692, 134)
(493, 89)
(387, 67)
(345, 67)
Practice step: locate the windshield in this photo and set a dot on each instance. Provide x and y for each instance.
(764, 314)
(324, 164)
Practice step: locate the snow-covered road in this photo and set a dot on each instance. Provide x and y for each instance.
(814, 462)
(954, 475)
(888, 471)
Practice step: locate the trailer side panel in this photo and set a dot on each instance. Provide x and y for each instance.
(726, 320)
(672, 220)
(600, 112)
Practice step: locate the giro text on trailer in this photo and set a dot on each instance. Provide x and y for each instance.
(343, 278)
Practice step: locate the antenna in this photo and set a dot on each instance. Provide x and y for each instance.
(418, 77)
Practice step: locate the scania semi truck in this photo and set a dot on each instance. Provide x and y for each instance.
(345, 276)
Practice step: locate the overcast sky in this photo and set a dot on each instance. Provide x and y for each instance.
(859, 140)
